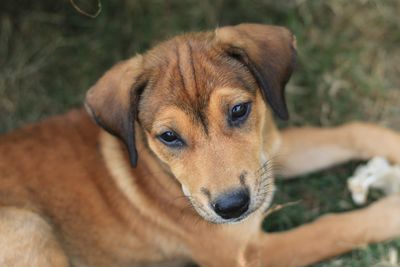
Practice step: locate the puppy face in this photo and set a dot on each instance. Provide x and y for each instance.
(201, 103)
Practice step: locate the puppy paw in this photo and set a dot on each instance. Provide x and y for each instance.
(384, 217)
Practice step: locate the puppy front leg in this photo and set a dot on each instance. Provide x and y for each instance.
(26, 240)
(310, 149)
(328, 236)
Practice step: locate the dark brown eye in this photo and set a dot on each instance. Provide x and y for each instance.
(171, 139)
(239, 113)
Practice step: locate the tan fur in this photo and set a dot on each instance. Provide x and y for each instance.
(69, 195)
(27, 240)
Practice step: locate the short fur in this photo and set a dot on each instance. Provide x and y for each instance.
(71, 194)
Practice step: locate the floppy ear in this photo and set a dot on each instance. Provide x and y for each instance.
(269, 53)
(113, 100)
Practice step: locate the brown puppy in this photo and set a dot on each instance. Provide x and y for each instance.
(195, 113)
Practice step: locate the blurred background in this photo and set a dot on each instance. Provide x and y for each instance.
(348, 69)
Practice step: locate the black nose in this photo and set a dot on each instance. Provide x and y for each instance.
(232, 204)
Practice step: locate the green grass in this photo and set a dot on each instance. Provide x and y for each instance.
(348, 69)
(323, 193)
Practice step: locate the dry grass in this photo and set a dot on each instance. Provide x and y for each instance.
(354, 58)
(348, 69)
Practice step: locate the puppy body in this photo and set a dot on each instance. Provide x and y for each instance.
(71, 188)
(92, 203)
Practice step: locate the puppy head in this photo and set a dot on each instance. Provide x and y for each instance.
(203, 101)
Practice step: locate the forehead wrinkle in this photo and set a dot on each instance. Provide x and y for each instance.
(200, 104)
(191, 99)
(186, 68)
(193, 69)
(180, 72)
(188, 72)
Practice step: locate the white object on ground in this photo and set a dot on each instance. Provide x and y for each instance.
(377, 173)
